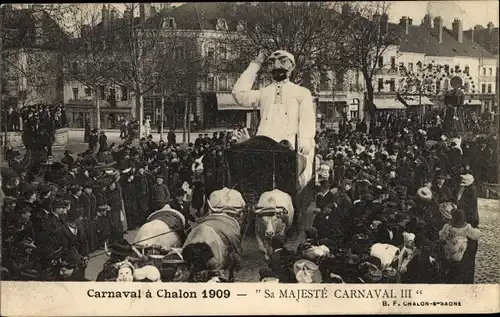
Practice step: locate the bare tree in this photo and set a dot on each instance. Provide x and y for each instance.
(308, 30)
(368, 40)
(86, 56)
(31, 41)
(149, 56)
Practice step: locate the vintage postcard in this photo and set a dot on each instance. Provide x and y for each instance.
(207, 158)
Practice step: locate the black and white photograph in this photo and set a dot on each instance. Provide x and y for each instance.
(250, 142)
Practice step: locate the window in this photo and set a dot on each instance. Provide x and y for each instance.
(393, 62)
(112, 93)
(491, 71)
(381, 62)
(168, 23)
(124, 93)
(210, 82)
(179, 52)
(210, 51)
(484, 71)
(74, 67)
(354, 114)
(466, 70)
(419, 66)
(380, 84)
(447, 68)
(102, 92)
(446, 84)
(223, 52)
(323, 81)
(392, 84)
(222, 83)
(88, 92)
(489, 88)
(483, 88)
(221, 25)
(75, 93)
(410, 67)
(438, 86)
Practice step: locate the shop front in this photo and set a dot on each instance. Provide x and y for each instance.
(388, 106)
(79, 112)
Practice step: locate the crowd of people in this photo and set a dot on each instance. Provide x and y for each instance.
(55, 214)
(398, 205)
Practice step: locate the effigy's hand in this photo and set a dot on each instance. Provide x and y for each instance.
(242, 135)
(261, 58)
(304, 146)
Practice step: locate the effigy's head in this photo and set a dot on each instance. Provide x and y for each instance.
(282, 64)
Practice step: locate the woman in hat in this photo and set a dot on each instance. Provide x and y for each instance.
(114, 201)
(90, 213)
(129, 195)
(456, 235)
(144, 192)
(467, 201)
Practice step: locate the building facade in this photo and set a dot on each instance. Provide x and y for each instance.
(31, 60)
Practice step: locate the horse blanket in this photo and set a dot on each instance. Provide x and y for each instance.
(172, 218)
(225, 226)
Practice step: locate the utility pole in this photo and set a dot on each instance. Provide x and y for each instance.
(189, 122)
(162, 114)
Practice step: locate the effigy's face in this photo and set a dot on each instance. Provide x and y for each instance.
(281, 66)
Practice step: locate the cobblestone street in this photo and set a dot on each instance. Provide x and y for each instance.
(487, 259)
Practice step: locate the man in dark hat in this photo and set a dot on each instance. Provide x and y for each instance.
(75, 239)
(179, 204)
(143, 192)
(199, 142)
(130, 195)
(68, 160)
(88, 200)
(75, 197)
(160, 194)
(440, 191)
(171, 137)
(103, 141)
(150, 143)
(102, 221)
(93, 141)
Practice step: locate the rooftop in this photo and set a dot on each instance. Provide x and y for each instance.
(423, 40)
(489, 39)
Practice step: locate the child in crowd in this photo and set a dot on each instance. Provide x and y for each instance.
(454, 235)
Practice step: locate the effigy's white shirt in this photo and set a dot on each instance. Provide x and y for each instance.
(286, 110)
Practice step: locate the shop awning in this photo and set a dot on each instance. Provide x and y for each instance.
(225, 101)
(387, 104)
(472, 102)
(416, 100)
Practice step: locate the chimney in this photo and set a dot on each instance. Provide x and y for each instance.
(112, 15)
(85, 31)
(105, 16)
(127, 14)
(438, 26)
(426, 22)
(384, 24)
(490, 26)
(457, 30)
(144, 11)
(472, 34)
(405, 23)
(346, 8)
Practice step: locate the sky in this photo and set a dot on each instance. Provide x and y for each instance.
(470, 12)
